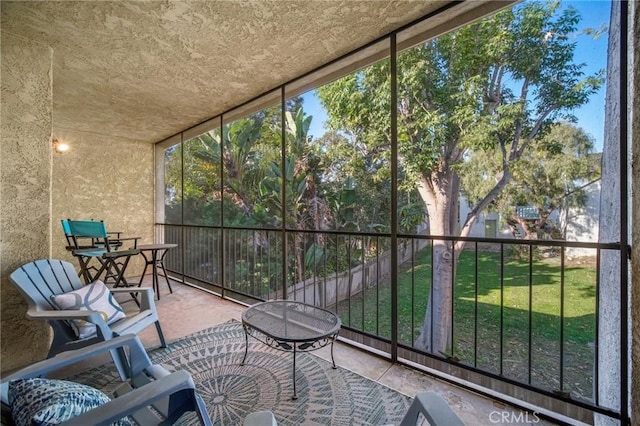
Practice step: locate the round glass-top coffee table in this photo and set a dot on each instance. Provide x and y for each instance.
(292, 327)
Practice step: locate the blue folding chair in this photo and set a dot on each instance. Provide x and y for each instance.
(88, 240)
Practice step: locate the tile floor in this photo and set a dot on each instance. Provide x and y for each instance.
(188, 310)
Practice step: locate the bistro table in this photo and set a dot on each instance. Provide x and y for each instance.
(290, 326)
(157, 253)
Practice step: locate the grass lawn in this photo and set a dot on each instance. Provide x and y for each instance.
(506, 294)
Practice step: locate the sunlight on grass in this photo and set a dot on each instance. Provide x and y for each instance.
(504, 296)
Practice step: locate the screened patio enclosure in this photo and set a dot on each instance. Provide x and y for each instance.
(350, 215)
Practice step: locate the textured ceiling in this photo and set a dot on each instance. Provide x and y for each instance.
(145, 70)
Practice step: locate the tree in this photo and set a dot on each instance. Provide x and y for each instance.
(244, 151)
(497, 86)
(197, 189)
(303, 207)
(554, 166)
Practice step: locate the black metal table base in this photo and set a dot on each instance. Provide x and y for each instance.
(288, 346)
(156, 261)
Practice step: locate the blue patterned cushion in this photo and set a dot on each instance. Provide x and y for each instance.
(92, 297)
(50, 402)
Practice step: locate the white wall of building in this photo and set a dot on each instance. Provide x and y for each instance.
(582, 223)
(483, 225)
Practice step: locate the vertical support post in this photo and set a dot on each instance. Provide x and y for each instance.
(394, 196)
(295, 394)
(283, 191)
(475, 306)
(221, 239)
(182, 236)
(562, 323)
(530, 320)
(501, 349)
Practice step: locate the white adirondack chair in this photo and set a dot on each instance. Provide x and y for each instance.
(146, 385)
(425, 406)
(39, 280)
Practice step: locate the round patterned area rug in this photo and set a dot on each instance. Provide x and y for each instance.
(326, 396)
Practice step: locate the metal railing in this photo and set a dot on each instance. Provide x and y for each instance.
(523, 313)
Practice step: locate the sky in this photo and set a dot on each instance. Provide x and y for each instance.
(595, 14)
(594, 54)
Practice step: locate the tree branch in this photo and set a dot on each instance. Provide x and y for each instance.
(484, 203)
(452, 153)
(534, 130)
(492, 84)
(519, 124)
(493, 91)
(496, 82)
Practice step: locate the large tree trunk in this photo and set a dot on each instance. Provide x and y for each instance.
(436, 331)
(440, 193)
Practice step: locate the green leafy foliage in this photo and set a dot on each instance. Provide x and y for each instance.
(491, 89)
(473, 106)
(549, 175)
(478, 112)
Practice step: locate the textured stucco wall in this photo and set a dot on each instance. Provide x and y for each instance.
(609, 379)
(609, 291)
(25, 176)
(103, 178)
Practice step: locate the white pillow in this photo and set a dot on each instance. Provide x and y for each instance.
(92, 297)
